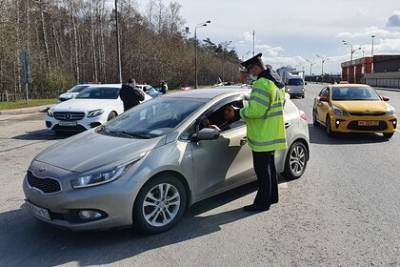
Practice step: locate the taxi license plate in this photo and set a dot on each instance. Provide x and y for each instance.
(67, 123)
(368, 123)
(38, 211)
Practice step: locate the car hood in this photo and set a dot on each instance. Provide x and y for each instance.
(90, 150)
(84, 104)
(362, 106)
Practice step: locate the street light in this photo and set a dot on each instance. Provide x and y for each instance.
(352, 50)
(311, 65)
(323, 60)
(204, 24)
(372, 44)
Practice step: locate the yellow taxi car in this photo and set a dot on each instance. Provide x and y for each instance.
(357, 108)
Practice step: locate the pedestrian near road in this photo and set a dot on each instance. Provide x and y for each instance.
(163, 87)
(130, 94)
(265, 129)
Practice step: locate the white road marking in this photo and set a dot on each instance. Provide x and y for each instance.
(283, 185)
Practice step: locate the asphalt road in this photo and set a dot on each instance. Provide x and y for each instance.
(345, 211)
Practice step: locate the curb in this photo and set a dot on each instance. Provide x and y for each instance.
(25, 110)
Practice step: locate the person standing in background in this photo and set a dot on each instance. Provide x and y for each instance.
(130, 95)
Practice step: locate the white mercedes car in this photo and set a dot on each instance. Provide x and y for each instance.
(92, 107)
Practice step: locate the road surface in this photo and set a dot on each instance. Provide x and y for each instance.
(345, 211)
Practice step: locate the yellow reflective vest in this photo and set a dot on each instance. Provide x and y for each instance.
(264, 117)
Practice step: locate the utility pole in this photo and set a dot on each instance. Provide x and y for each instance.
(254, 42)
(119, 70)
(311, 65)
(352, 50)
(225, 46)
(204, 24)
(323, 60)
(372, 44)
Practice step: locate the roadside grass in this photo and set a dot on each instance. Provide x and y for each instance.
(22, 103)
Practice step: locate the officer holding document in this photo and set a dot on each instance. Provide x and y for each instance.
(265, 129)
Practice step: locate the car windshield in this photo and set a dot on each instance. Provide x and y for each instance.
(77, 88)
(99, 93)
(295, 82)
(151, 119)
(354, 93)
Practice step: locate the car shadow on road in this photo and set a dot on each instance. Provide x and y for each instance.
(319, 136)
(28, 241)
(43, 134)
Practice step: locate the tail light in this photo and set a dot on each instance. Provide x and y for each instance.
(303, 115)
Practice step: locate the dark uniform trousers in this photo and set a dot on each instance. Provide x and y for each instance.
(264, 166)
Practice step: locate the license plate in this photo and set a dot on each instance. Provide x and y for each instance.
(67, 123)
(368, 123)
(38, 211)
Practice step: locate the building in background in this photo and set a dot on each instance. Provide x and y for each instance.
(379, 70)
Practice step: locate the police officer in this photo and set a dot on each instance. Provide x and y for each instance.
(265, 129)
(130, 94)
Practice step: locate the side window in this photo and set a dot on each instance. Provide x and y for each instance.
(219, 118)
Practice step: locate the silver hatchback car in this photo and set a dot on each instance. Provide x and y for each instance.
(145, 167)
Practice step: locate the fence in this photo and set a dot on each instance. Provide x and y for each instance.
(383, 82)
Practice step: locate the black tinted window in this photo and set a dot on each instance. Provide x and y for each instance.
(100, 93)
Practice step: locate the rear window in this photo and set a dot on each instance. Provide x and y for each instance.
(296, 82)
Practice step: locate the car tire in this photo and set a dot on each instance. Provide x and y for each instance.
(296, 161)
(388, 135)
(155, 217)
(315, 121)
(328, 127)
(112, 115)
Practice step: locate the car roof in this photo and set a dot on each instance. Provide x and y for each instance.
(116, 85)
(209, 93)
(345, 85)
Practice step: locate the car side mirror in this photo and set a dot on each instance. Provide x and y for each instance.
(323, 99)
(385, 98)
(206, 134)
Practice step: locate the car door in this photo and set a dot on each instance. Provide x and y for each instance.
(222, 163)
(323, 106)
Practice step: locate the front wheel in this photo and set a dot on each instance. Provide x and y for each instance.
(296, 161)
(159, 205)
(315, 121)
(328, 126)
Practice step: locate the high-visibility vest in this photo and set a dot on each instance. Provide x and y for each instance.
(264, 117)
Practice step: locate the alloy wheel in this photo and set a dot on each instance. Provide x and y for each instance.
(297, 159)
(161, 204)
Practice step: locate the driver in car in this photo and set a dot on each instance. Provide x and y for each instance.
(230, 115)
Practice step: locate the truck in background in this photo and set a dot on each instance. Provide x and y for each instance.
(294, 81)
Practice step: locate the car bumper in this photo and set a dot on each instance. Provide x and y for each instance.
(387, 124)
(113, 200)
(75, 126)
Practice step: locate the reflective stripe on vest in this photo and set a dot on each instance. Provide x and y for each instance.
(267, 143)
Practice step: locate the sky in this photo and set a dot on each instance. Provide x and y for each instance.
(291, 32)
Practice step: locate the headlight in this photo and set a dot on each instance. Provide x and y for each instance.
(390, 112)
(98, 178)
(95, 113)
(50, 112)
(339, 112)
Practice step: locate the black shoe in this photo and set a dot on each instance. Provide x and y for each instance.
(255, 208)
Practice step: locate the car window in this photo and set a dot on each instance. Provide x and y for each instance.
(295, 82)
(217, 117)
(99, 93)
(354, 93)
(152, 118)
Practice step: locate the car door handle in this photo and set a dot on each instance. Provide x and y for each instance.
(243, 141)
(287, 125)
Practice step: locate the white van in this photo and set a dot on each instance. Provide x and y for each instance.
(295, 86)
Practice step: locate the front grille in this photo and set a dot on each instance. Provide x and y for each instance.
(367, 113)
(353, 125)
(46, 185)
(69, 116)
